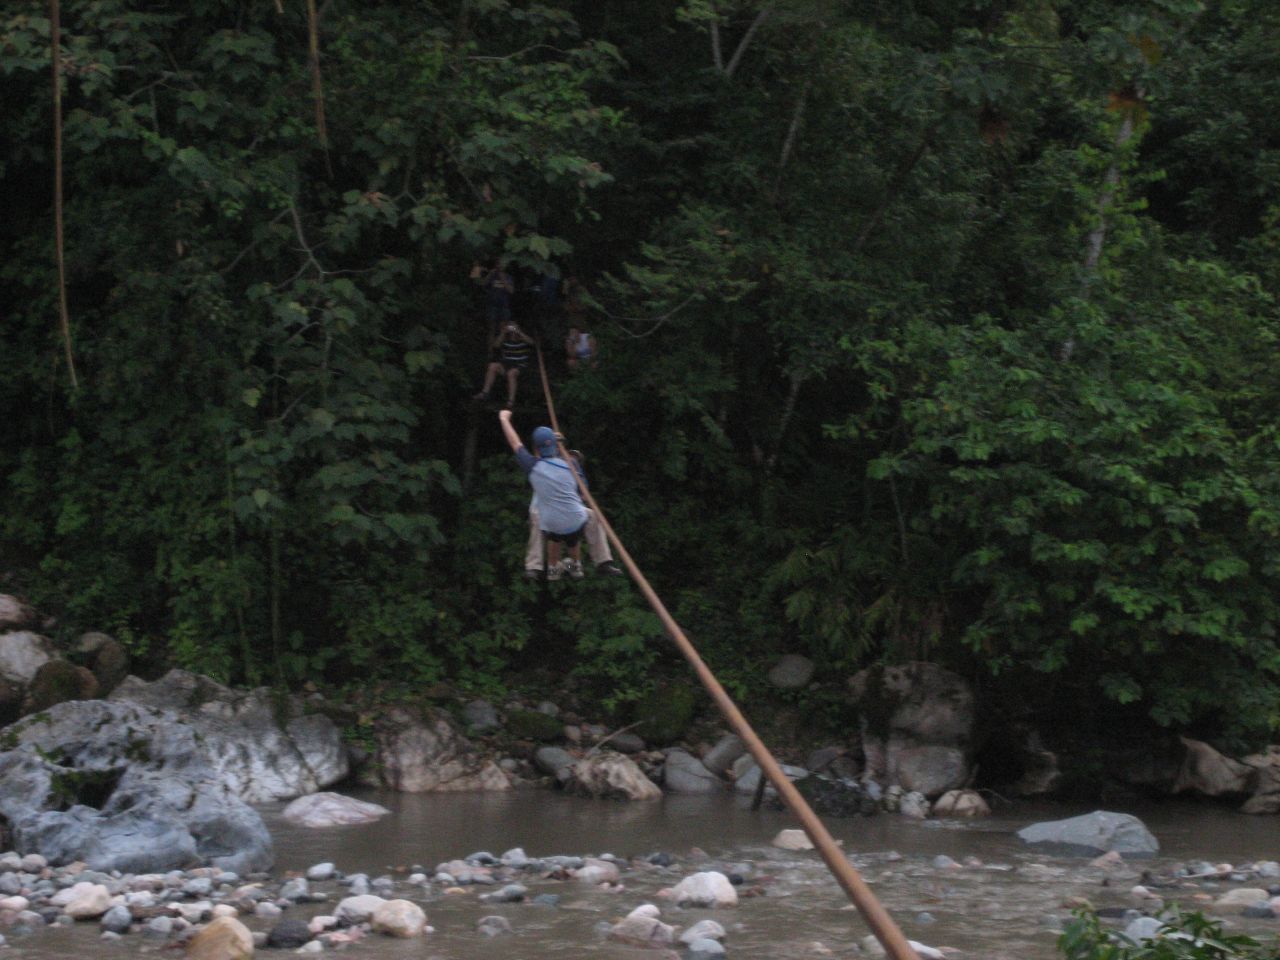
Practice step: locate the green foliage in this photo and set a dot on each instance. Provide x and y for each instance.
(1186, 936)
(532, 725)
(941, 332)
(665, 712)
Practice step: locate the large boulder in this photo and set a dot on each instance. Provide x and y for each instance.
(56, 682)
(105, 657)
(917, 722)
(14, 614)
(125, 787)
(1093, 834)
(721, 756)
(331, 810)
(1206, 771)
(22, 653)
(791, 672)
(612, 776)
(264, 747)
(684, 773)
(556, 761)
(1266, 794)
(425, 753)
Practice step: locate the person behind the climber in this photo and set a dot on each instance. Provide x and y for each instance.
(592, 533)
(579, 347)
(498, 289)
(562, 514)
(512, 348)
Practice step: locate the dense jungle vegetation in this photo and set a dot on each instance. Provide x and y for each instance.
(928, 329)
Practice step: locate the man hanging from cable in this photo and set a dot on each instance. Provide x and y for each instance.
(593, 534)
(561, 512)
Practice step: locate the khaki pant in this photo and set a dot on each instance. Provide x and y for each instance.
(597, 542)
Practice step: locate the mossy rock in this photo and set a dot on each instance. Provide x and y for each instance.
(56, 682)
(665, 714)
(532, 725)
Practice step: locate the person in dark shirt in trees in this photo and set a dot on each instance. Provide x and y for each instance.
(511, 350)
(499, 286)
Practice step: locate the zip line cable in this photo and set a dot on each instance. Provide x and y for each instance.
(873, 912)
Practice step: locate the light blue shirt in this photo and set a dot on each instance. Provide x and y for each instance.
(555, 492)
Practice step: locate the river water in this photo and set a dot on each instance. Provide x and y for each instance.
(999, 910)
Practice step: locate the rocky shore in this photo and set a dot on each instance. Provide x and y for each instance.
(693, 905)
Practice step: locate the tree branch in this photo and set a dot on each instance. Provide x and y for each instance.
(745, 42)
(716, 57)
(788, 410)
(317, 87)
(892, 191)
(64, 315)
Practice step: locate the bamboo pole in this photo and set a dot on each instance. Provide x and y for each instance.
(64, 316)
(877, 917)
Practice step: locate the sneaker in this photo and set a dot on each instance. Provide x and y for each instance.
(573, 568)
(482, 395)
(533, 574)
(556, 570)
(609, 568)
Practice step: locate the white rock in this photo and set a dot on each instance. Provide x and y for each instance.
(321, 923)
(15, 904)
(399, 918)
(643, 931)
(34, 863)
(319, 872)
(1241, 897)
(792, 839)
(597, 871)
(353, 910)
(706, 889)
(224, 910)
(311, 946)
(703, 930)
(928, 953)
(645, 910)
(90, 903)
(914, 806)
(966, 804)
(331, 810)
(22, 653)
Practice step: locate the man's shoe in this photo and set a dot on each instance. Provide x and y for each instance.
(573, 568)
(609, 568)
(533, 574)
(556, 570)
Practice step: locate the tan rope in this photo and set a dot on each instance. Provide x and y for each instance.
(64, 315)
(878, 919)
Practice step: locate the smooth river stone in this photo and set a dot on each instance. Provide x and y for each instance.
(331, 810)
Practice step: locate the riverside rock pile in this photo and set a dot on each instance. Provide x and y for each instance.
(217, 914)
(697, 907)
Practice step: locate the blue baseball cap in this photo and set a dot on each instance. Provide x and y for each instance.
(544, 440)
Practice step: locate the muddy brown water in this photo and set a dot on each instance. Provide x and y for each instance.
(998, 911)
